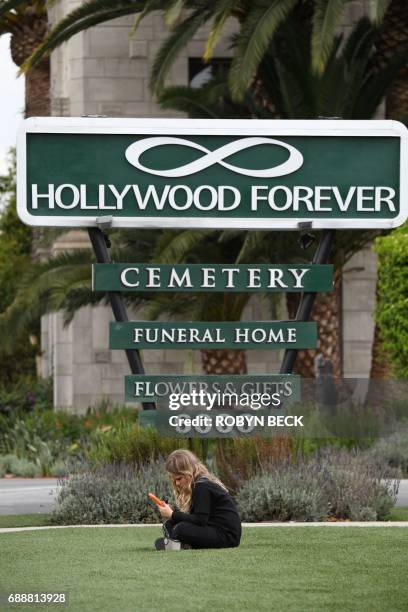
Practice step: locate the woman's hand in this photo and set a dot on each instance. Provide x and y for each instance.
(166, 511)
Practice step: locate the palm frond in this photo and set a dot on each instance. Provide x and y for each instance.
(326, 19)
(252, 42)
(87, 15)
(188, 100)
(375, 88)
(251, 244)
(174, 43)
(356, 59)
(222, 10)
(377, 10)
(173, 304)
(291, 57)
(294, 101)
(9, 23)
(227, 235)
(149, 6)
(361, 37)
(43, 288)
(173, 12)
(180, 245)
(10, 5)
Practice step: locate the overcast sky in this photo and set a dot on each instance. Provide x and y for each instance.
(11, 101)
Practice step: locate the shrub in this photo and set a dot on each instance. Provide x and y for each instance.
(237, 459)
(25, 397)
(19, 467)
(335, 483)
(112, 494)
(356, 487)
(17, 360)
(286, 493)
(59, 469)
(392, 306)
(132, 444)
(47, 436)
(392, 452)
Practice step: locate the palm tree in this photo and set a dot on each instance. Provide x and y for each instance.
(26, 21)
(63, 282)
(258, 20)
(291, 87)
(350, 87)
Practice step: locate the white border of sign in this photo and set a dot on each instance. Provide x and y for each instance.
(192, 127)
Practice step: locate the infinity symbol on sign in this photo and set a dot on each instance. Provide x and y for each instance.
(135, 150)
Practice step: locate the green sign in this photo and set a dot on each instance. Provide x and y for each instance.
(200, 277)
(240, 335)
(145, 388)
(264, 174)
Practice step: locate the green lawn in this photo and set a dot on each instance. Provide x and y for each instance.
(24, 520)
(306, 569)
(398, 513)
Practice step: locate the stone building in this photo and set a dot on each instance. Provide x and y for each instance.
(105, 71)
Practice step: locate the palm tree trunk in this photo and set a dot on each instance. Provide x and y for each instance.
(379, 364)
(38, 104)
(224, 361)
(37, 91)
(327, 314)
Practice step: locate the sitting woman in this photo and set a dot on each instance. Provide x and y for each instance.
(206, 515)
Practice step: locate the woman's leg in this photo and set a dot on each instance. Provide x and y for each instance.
(198, 537)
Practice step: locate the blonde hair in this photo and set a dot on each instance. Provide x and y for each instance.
(184, 462)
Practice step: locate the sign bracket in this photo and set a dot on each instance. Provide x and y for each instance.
(100, 244)
(304, 310)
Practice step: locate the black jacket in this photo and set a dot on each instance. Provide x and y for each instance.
(213, 506)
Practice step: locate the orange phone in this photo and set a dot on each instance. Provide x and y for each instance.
(155, 499)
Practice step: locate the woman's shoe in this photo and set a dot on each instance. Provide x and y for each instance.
(169, 544)
(160, 544)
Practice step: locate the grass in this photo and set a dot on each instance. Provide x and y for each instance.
(285, 569)
(24, 520)
(398, 513)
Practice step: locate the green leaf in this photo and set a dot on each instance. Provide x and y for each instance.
(9, 5)
(173, 45)
(326, 19)
(223, 10)
(377, 10)
(188, 100)
(376, 87)
(252, 42)
(179, 245)
(173, 13)
(150, 6)
(87, 15)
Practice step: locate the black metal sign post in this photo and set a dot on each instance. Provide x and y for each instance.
(100, 247)
(304, 310)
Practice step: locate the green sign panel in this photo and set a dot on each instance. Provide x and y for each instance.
(240, 335)
(145, 388)
(212, 173)
(201, 277)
